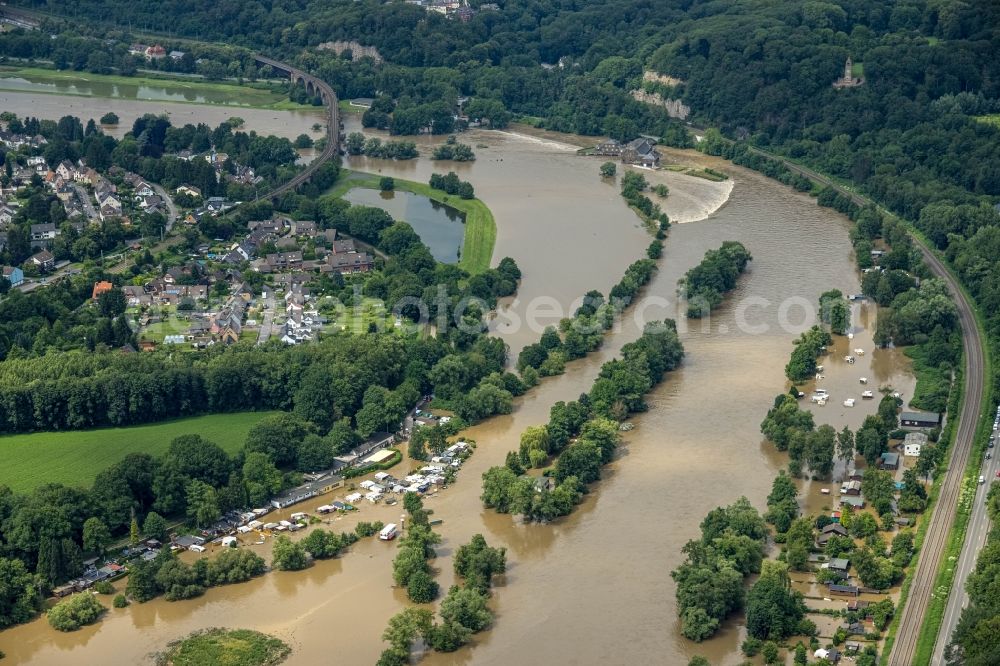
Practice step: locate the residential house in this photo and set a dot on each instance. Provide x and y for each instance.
(854, 502)
(66, 170)
(609, 148)
(43, 232)
(151, 204)
(104, 188)
(919, 419)
(218, 205)
(276, 226)
(156, 52)
(831, 655)
(101, 287)
(829, 531)
(87, 176)
(345, 246)
(843, 590)
(839, 564)
(176, 273)
(13, 274)
(851, 488)
(11, 140)
(304, 228)
(6, 215)
(44, 260)
(284, 260)
(64, 191)
(176, 55)
(889, 461)
(135, 296)
(143, 189)
(326, 236)
(913, 443)
(189, 190)
(640, 152)
(110, 206)
(346, 264)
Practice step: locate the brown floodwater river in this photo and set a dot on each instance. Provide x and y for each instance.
(287, 124)
(593, 588)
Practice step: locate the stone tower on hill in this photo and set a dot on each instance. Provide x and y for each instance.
(848, 80)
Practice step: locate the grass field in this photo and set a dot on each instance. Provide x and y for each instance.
(991, 119)
(75, 458)
(480, 227)
(105, 85)
(226, 647)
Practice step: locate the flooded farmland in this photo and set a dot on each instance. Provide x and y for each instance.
(594, 587)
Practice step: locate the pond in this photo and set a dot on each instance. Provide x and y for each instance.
(439, 226)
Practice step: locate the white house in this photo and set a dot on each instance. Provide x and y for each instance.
(912, 443)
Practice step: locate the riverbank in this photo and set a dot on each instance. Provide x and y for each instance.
(145, 88)
(480, 227)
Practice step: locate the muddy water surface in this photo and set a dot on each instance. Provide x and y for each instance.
(595, 587)
(287, 124)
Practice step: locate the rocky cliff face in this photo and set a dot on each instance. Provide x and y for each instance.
(675, 107)
(357, 50)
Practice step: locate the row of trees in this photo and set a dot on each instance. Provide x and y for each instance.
(584, 332)
(356, 144)
(464, 610)
(834, 311)
(166, 575)
(372, 380)
(633, 186)
(705, 285)
(410, 568)
(451, 184)
(973, 641)
(591, 421)
(802, 365)
(453, 150)
(710, 581)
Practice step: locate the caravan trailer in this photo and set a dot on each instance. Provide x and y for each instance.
(388, 532)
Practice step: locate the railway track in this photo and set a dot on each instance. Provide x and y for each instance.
(330, 101)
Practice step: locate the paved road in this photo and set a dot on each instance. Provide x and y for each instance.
(943, 515)
(975, 539)
(172, 213)
(267, 323)
(88, 207)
